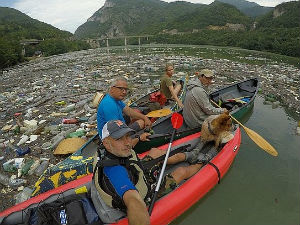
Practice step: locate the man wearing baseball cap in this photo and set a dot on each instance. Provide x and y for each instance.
(123, 181)
(197, 106)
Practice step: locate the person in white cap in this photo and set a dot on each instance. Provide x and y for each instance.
(197, 106)
(124, 181)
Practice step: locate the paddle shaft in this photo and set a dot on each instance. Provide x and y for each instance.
(161, 173)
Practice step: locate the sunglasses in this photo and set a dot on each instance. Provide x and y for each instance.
(124, 89)
(208, 78)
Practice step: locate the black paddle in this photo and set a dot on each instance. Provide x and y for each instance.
(177, 121)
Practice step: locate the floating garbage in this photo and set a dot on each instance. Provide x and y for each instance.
(24, 195)
(11, 182)
(298, 128)
(23, 140)
(22, 151)
(42, 167)
(69, 145)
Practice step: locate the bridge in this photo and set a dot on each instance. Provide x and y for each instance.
(25, 42)
(96, 40)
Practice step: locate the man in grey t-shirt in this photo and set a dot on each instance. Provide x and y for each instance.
(197, 106)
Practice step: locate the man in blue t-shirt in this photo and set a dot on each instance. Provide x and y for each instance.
(112, 108)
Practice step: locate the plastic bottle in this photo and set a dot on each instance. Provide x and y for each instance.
(34, 166)
(16, 182)
(41, 168)
(60, 103)
(68, 108)
(24, 195)
(19, 119)
(56, 140)
(26, 167)
(24, 138)
(5, 180)
(9, 166)
(79, 133)
(22, 151)
(69, 121)
(2, 145)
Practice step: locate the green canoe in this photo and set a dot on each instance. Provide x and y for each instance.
(239, 97)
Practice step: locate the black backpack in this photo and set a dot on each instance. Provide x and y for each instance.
(71, 210)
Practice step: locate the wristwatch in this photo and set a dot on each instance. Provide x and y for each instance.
(138, 137)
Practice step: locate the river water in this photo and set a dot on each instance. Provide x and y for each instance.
(258, 189)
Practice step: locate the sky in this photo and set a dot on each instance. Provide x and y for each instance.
(70, 14)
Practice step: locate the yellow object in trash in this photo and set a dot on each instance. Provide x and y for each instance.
(60, 103)
(97, 99)
(69, 145)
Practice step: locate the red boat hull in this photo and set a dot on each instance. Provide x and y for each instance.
(174, 204)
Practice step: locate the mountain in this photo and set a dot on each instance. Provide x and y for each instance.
(131, 17)
(251, 9)
(120, 17)
(16, 25)
(285, 15)
(216, 16)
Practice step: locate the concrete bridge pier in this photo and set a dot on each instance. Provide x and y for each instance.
(23, 50)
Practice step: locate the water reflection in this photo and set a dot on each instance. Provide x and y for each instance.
(259, 188)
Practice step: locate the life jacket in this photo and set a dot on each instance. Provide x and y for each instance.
(159, 97)
(136, 175)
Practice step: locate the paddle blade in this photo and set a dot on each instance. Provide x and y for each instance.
(159, 113)
(177, 120)
(260, 141)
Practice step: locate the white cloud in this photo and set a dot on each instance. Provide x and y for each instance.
(193, 1)
(271, 3)
(260, 2)
(63, 14)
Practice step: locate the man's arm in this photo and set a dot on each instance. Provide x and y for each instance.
(136, 208)
(136, 115)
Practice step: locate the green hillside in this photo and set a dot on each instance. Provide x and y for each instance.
(16, 26)
(285, 15)
(251, 9)
(216, 14)
(134, 17)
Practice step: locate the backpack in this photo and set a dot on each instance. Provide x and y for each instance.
(158, 97)
(71, 210)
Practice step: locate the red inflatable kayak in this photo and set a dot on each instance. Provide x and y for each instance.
(167, 208)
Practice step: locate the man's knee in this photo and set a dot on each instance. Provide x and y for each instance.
(180, 172)
(156, 152)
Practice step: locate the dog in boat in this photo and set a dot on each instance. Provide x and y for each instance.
(217, 128)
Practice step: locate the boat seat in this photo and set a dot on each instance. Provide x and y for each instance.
(246, 87)
(90, 149)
